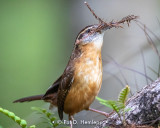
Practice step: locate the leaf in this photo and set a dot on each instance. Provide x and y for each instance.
(111, 104)
(11, 115)
(100, 99)
(120, 105)
(33, 126)
(105, 102)
(23, 123)
(48, 116)
(115, 105)
(123, 94)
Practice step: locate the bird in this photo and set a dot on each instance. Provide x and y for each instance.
(80, 83)
(76, 89)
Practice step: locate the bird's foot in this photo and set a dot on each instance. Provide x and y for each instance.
(71, 121)
(100, 112)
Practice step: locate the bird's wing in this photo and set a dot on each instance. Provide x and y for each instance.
(53, 88)
(66, 82)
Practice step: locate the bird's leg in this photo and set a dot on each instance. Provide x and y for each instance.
(71, 120)
(100, 112)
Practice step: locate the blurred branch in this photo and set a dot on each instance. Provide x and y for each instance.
(130, 69)
(144, 66)
(150, 40)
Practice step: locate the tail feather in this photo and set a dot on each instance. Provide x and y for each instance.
(28, 99)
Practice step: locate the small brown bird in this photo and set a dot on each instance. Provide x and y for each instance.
(81, 81)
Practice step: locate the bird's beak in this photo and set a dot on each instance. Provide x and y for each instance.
(105, 26)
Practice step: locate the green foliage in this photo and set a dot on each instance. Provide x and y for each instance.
(123, 95)
(51, 119)
(119, 105)
(31, 31)
(48, 116)
(115, 105)
(22, 123)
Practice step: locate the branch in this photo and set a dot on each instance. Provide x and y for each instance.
(144, 109)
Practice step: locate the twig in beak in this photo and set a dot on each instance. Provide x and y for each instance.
(111, 24)
(99, 19)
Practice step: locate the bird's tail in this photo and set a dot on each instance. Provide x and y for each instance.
(28, 99)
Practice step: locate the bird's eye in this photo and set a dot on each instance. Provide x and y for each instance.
(88, 31)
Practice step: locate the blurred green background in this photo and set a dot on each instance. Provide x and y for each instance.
(36, 40)
(33, 50)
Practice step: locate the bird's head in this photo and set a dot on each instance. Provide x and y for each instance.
(92, 34)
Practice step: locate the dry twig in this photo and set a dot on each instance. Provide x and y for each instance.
(111, 24)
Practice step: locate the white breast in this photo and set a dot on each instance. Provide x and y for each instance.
(98, 41)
